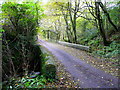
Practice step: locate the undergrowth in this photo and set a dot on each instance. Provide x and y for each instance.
(111, 51)
(98, 49)
(26, 82)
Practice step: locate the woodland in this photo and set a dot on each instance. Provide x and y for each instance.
(91, 23)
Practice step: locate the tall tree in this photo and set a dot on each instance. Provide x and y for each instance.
(108, 16)
(20, 25)
(65, 13)
(73, 10)
(96, 13)
(100, 23)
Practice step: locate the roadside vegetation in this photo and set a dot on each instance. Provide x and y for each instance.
(23, 61)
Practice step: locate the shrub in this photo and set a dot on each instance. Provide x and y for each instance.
(108, 51)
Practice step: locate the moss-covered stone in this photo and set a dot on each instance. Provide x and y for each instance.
(50, 71)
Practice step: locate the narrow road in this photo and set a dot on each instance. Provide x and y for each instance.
(86, 75)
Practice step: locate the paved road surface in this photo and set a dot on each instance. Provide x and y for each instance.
(87, 75)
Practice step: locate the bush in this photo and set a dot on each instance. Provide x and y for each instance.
(20, 53)
(108, 51)
(94, 42)
(26, 82)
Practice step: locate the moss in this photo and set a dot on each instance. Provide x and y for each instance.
(50, 71)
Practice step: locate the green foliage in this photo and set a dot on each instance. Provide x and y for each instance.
(85, 40)
(44, 59)
(20, 26)
(116, 37)
(114, 13)
(26, 82)
(2, 30)
(83, 25)
(109, 51)
(93, 42)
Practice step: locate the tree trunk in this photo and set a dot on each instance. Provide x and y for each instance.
(74, 28)
(73, 20)
(67, 26)
(108, 16)
(100, 23)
